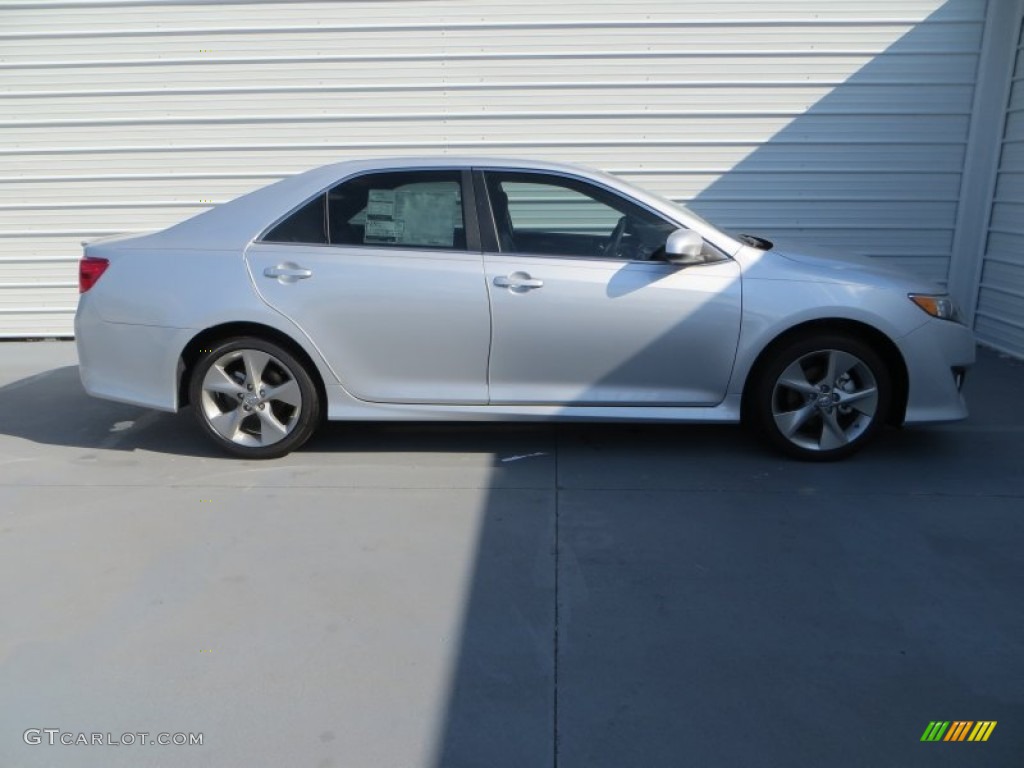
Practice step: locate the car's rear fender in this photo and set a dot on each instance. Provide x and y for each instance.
(143, 318)
(204, 341)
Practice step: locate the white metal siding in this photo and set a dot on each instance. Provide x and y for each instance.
(842, 123)
(999, 318)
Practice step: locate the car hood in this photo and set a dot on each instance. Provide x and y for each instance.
(819, 263)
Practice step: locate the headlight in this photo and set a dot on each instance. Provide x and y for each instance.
(937, 305)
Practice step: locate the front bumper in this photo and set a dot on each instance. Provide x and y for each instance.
(937, 355)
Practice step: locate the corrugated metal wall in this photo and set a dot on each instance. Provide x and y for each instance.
(999, 318)
(838, 122)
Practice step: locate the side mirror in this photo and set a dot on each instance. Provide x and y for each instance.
(684, 246)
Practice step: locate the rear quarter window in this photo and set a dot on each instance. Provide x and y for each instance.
(308, 224)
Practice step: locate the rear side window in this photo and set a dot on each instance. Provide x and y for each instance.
(306, 225)
(403, 209)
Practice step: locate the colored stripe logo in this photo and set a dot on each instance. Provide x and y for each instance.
(958, 730)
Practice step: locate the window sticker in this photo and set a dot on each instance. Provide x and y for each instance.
(416, 215)
(381, 204)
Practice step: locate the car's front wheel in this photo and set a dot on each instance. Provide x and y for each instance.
(253, 398)
(822, 397)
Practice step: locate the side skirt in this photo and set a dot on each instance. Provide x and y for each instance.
(341, 406)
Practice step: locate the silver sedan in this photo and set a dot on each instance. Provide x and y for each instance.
(475, 288)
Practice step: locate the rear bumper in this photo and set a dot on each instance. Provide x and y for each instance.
(129, 363)
(937, 355)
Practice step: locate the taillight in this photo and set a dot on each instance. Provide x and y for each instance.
(89, 271)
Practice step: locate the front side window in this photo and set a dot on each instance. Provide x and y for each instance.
(404, 209)
(558, 216)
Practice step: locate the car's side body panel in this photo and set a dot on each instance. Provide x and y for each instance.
(396, 325)
(606, 332)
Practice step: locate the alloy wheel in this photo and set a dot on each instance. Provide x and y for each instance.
(251, 398)
(825, 400)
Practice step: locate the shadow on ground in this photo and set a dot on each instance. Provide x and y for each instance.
(51, 408)
(646, 589)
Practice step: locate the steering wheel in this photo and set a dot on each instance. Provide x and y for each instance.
(611, 245)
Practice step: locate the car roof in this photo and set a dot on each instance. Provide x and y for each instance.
(451, 161)
(234, 224)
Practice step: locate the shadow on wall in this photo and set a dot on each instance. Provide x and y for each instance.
(873, 169)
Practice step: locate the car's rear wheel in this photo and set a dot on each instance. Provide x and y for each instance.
(822, 398)
(253, 398)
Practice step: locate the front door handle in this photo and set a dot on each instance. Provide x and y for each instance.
(288, 272)
(518, 282)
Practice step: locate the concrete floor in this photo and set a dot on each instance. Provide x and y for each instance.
(521, 596)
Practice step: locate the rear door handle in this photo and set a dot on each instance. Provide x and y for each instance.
(288, 272)
(518, 281)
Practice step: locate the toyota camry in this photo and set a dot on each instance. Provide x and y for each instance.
(476, 288)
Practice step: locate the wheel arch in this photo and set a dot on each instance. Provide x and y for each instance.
(879, 342)
(206, 338)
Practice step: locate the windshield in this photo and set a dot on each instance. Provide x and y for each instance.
(747, 239)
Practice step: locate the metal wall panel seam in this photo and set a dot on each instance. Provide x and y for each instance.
(479, 26)
(469, 144)
(490, 115)
(478, 56)
(495, 86)
(1004, 321)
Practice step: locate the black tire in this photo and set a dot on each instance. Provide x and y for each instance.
(230, 401)
(813, 418)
